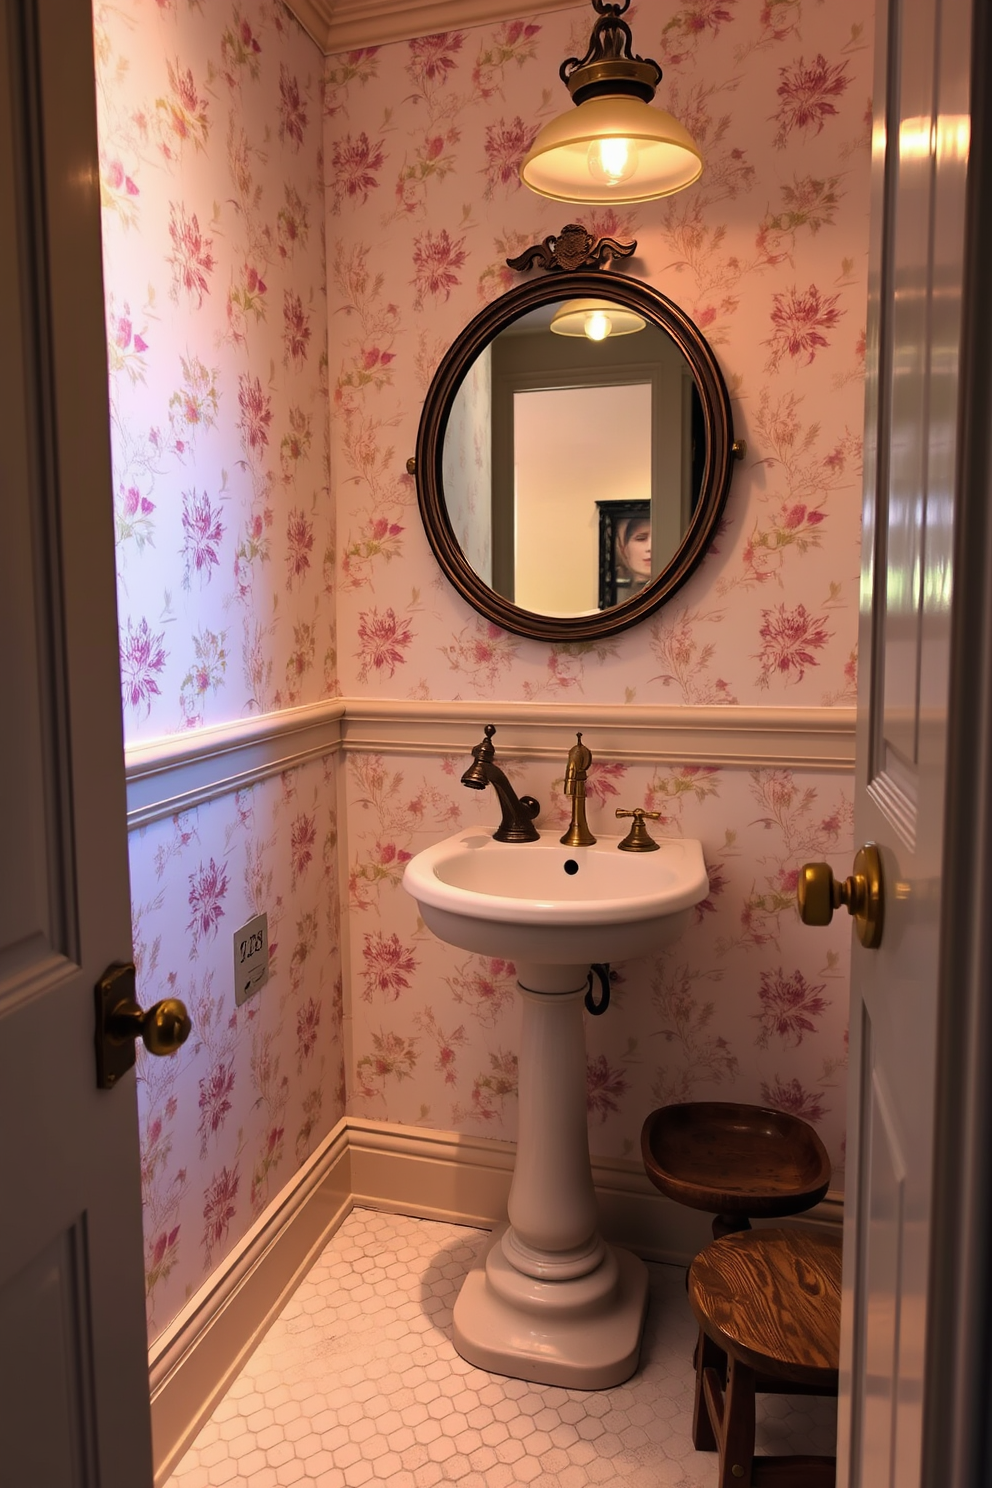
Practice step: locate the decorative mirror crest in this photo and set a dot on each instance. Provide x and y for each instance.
(572, 248)
(575, 448)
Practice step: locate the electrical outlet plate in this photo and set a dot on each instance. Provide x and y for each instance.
(251, 958)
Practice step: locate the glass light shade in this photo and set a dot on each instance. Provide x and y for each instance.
(573, 317)
(660, 158)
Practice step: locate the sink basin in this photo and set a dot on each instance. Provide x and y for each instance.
(544, 903)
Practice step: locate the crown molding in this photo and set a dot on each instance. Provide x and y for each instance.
(346, 25)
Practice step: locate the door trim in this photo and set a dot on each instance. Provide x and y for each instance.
(957, 1433)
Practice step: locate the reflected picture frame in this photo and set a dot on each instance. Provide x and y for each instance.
(611, 515)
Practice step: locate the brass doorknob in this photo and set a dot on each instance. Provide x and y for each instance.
(819, 894)
(162, 1028)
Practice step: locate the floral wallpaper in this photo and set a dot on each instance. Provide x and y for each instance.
(768, 254)
(290, 245)
(226, 1121)
(748, 1005)
(212, 187)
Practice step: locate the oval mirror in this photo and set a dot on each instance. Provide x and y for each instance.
(574, 455)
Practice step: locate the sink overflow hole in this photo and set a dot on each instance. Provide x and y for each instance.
(571, 866)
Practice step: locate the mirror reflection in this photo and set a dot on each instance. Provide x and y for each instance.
(572, 457)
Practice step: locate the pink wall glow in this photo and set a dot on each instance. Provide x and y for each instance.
(212, 182)
(265, 393)
(768, 255)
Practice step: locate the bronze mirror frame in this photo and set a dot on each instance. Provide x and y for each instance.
(715, 483)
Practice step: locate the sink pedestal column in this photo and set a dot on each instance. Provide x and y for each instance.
(550, 1301)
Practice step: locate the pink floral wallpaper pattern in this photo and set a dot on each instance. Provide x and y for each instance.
(269, 554)
(225, 1122)
(212, 185)
(747, 1005)
(768, 254)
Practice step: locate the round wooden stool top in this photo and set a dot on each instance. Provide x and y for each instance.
(729, 1158)
(771, 1299)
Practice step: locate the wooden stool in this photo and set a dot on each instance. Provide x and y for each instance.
(768, 1307)
(734, 1161)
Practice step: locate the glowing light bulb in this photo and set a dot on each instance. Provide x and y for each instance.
(598, 326)
(612, 160)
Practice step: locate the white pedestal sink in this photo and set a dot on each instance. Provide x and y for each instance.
(550, 1301)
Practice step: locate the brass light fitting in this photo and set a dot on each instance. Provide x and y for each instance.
(614, 147)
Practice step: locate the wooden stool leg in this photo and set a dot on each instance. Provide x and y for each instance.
(737, 1446)
(731, 1416)
(709, 1355)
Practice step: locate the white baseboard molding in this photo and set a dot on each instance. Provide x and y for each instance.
(401, 1169)
(466, 1180)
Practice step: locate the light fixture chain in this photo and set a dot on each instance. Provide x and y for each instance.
(611, 41)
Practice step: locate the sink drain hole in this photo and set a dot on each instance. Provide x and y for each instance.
(571, 866)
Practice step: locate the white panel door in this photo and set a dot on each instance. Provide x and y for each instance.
(74, 1409)
(920, 159)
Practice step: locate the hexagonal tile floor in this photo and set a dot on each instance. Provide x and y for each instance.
(358, 1383)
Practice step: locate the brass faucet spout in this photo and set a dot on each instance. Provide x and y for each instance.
(517, 823)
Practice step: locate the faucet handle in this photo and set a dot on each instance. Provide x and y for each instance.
(637, 839)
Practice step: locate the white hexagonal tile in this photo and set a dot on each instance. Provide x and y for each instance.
(358, 1384)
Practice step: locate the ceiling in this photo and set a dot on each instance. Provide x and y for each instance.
(345, 25)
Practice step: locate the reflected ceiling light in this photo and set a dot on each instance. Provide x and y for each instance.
(613, 147)
(596, 319)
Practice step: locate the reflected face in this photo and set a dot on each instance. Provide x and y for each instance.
(635, 551)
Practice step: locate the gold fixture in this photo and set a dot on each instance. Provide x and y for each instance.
(738, 449)
(411, 466)
(517, 821)
(819, 894)
(579, 760)
(596, 319)
(614, 148)
(638, 838)
(163, 1028)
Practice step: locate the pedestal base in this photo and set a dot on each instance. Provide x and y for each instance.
(563, 1332)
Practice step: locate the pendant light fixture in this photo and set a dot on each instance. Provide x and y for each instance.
(613, 147)
(596, 319)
